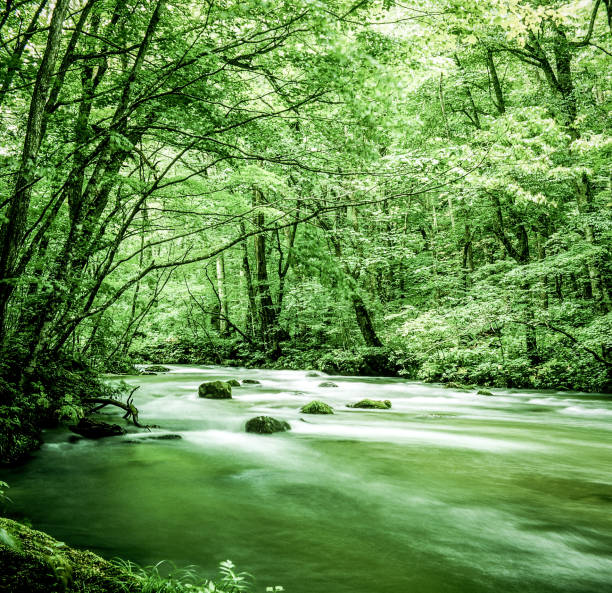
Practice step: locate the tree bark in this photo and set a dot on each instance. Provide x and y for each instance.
(599, 290)
(267, 310)
(364, 321)
(224, 309)
(499, 101)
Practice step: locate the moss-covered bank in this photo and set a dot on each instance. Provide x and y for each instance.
(33, 562)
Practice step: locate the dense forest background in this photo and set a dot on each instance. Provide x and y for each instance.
(421, 188)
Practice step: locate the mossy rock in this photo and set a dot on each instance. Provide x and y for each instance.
(156, 368)
(215, 390)
(317, 407)
(327, 384)
(484, 392)
(455, 385)
(233, 383)
(96, 429)
(371, 404)
(34, 562)
(313, 374)
(266, 425)
(251, 382)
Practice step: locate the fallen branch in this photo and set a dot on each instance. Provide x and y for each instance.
(131, 411)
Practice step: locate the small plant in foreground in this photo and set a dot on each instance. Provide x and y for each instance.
(153, 579)
(3, 496)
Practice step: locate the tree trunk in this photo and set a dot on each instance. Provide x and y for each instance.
(267, 311)
(13, 231)
(499, 101)
(223, 306)
(599, 290)
(251, 303)
(364, 321)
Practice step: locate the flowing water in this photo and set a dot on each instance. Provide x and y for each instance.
(448, 491)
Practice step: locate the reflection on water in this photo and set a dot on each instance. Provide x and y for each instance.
(446, 492)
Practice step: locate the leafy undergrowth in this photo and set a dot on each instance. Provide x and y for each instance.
(435, 358)
(50, 394)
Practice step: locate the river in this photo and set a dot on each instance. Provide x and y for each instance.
(447, 492)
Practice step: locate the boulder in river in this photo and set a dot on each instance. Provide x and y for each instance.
(371, 404)
(215, 390)
(233, 383)
(484, 392)
(313, 374)
(266, 425)
(327, 384)
(156, 368)
(317, 407)
(251, 382)
(96, 429)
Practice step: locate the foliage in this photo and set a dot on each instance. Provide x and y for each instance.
(371, 187)
(166, 578)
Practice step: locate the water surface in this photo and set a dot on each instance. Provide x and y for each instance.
(448, 491)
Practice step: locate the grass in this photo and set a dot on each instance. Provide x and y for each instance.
(164, 577)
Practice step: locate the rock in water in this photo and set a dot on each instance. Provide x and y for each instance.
(215, 390)
(317, 407)
(95, 429)
(266, 425)
(371, 404)
(251, 382)
(457, 386)
(484, 392)
(156, 368)
(313, 374)
(233, 383)
(327, 384)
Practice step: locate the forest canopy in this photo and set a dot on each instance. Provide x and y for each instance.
(415, 187)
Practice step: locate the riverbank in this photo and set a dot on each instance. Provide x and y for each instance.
(33, 562)
(482, 365)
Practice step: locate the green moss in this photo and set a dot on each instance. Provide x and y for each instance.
(215, 390)
(484, 392)
(317, 407)
(266, 425)
(34, 562)
(233, 383)
(371, 404)
(156, 368)
(457, 386)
